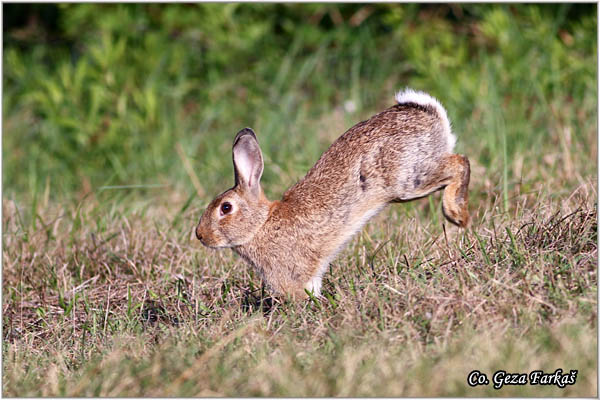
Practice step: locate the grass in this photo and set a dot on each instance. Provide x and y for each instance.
(106, 291)
(120, 300)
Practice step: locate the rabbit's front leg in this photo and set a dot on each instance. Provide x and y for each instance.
(314, 285)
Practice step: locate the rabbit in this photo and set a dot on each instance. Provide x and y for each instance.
(402, 153)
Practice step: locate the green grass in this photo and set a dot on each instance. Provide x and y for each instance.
(114, 141)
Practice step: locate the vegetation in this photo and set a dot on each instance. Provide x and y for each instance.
(117, 133)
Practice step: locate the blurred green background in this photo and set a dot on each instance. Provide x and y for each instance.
(150, 95)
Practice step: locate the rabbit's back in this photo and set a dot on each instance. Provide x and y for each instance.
(388, 155)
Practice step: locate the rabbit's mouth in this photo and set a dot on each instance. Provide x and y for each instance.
(206, 243)
(207, 240)
(202, 238)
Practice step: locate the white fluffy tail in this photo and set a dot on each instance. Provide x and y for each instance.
(421, 98)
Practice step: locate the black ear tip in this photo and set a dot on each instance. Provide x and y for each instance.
(243, 132)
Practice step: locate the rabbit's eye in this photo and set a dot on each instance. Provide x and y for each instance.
(226, 208)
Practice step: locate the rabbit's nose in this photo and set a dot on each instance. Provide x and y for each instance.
(198, 234)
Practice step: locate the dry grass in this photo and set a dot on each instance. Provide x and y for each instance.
(116, 300)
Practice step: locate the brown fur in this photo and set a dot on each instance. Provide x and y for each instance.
(399, 154)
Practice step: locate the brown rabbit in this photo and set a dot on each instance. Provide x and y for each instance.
(400, 154)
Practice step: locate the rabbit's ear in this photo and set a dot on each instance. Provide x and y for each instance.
(247, 161)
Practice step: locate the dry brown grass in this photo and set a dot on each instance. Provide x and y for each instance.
(411, 305)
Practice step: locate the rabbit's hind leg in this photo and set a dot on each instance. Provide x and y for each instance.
(450, 173)
(456, 193)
